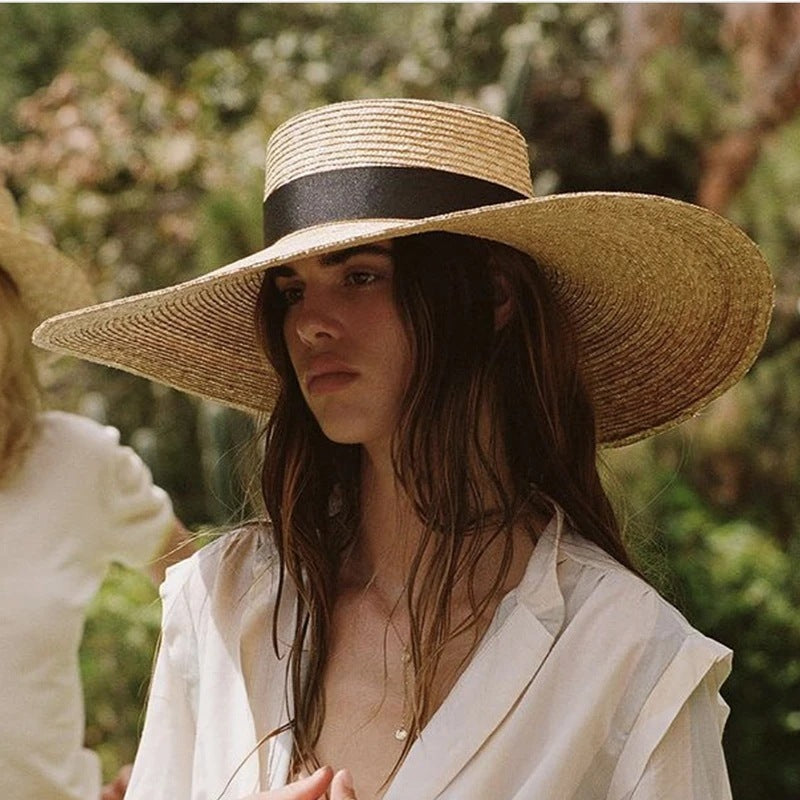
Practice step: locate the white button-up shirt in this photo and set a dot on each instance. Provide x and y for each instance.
(586, 686)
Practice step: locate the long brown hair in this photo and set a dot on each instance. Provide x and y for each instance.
(19, 388)
(524, 372)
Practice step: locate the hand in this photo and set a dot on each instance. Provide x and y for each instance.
(117, 788)
(313, 787)
(342, 786)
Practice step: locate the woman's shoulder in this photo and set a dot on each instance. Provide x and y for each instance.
(624, 635)
(595, 585)
(64, 440)
(586, 567)
(225, 574)
(76, 428)
(247, 544)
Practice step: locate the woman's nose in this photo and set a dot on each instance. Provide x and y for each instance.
(315, 321)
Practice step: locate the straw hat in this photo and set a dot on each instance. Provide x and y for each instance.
(670, 302)
(47, 281)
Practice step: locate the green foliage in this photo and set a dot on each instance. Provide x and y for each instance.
(769, 206)
(116, 660)
(738, 587)
(684, 87)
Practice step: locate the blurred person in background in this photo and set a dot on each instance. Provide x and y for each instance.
(441, 604)
(72, 501)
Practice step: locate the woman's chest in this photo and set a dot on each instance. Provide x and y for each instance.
(368, 690)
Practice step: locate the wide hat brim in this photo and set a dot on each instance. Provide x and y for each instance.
(48, 281)
(670, 304)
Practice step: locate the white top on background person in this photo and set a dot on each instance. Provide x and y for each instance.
(78, 502)
(440, 603)
(72, 501)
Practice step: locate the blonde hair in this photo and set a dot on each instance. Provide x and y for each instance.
(19, 388)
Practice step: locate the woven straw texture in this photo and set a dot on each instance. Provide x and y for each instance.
(48, 282)
(670, 302)
(399, 133)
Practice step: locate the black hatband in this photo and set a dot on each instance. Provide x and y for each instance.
(375, 193)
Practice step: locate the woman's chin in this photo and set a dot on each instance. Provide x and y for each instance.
(338, 438)
(343, 432)
(348, 433)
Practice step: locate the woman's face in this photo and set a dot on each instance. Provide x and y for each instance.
(346, 342)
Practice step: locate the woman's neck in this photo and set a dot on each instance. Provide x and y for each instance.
(389, 531)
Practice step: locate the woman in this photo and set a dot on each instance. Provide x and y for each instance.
(72, 501)
(441, 604)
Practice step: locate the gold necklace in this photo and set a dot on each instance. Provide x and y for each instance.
(401, 733)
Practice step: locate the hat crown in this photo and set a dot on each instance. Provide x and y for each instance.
(399, 133)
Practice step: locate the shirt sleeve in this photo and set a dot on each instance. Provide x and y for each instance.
(139, 514)
(164, 761)
(675, 747)
(688, 762)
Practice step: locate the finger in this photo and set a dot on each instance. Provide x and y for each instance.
(316, 784)
(312, 787)
(342, 786)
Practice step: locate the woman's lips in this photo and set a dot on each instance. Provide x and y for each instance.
(328, 382)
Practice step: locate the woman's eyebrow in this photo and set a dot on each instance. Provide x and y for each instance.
(337, 257)
(340, 256)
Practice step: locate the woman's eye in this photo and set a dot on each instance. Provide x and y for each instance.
(291, 295)
(359, 278)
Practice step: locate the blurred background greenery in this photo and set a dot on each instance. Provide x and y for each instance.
(134, 136)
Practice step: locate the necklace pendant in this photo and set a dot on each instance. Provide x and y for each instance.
(401, 734)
